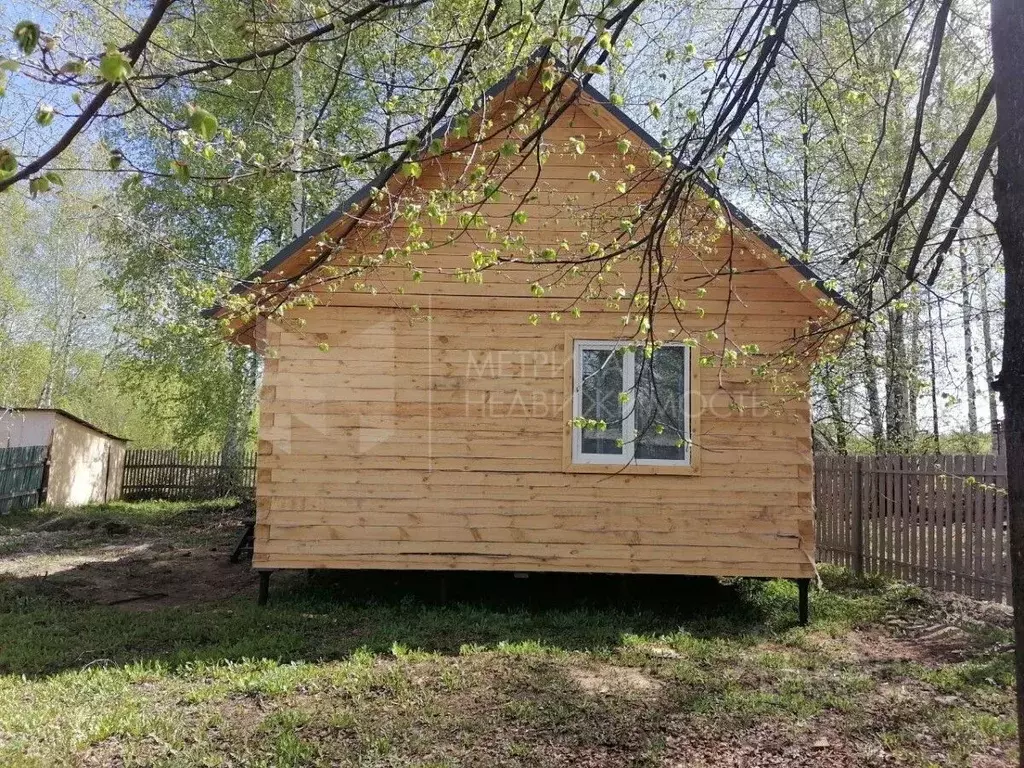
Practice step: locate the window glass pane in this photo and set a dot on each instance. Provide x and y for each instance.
(661, 393)
(601, 384)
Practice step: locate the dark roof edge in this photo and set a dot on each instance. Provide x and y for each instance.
(541, 54)
(67, 415)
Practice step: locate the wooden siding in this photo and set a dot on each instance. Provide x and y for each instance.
(424, 424)
(433, 444)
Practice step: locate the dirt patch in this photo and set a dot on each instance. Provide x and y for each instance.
(585, 757)
(43, 563)
(106, 753)
(987, 761)
(929, 643)
(950, 628)
(146, 579)
(768, 744)
(615, 681)
(877, 647)
(134, 565)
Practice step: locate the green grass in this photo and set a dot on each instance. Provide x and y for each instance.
(321, 677)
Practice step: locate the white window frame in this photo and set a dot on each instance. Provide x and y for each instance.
(627, 456)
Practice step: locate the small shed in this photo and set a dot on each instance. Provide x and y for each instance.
(423, 416)
(85, 464)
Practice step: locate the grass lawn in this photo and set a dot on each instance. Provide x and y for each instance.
(126, 638)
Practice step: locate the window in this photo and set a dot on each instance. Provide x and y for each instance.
(629, 408)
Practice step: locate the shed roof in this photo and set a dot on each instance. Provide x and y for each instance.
(66, 415)
(540, 55)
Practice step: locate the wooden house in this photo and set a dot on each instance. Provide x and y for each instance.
(476, 371)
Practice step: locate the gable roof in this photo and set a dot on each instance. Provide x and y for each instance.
(542, 54)
(4, 409)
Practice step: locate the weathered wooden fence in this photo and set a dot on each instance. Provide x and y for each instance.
(22, 477)
(191, 475)
(938, 521)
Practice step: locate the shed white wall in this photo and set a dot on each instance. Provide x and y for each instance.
(23, 428)
(84, 465)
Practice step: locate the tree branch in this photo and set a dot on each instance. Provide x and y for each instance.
(134, 51)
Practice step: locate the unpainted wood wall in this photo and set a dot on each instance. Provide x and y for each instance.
(423, 424)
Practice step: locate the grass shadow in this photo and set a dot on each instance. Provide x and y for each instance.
(204, 608)
(331, 616)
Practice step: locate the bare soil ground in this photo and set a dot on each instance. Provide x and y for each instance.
(138, 565)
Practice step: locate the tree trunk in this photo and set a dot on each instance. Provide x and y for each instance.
(806, 199)
(245, 365)
(298, 218)
(871, 385)
(835, 405)
(914, 382)
(59, 359)
(896, 389)
(965, 301)
(1008, 55)
(934, 381)
(990, 354)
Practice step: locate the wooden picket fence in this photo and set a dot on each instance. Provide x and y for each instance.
(186, 475)
(22, 477)
(938, 521)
